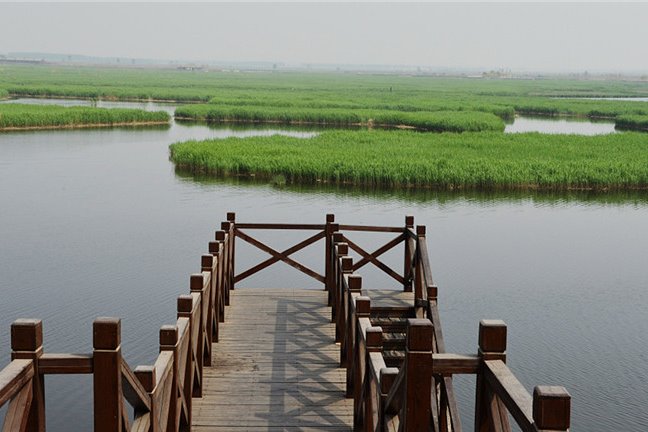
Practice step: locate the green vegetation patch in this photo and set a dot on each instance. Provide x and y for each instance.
(4, 94)
(632, 122)
(451, 121)
(19, 116)
(403, 159)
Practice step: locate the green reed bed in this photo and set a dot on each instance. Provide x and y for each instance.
(3, 94)
(632, 122)
(454, 121)
(19, 116)
(402, 159)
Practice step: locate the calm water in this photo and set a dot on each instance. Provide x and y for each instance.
(558, 125)
(97, 222)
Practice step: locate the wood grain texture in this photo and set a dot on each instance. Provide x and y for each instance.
(275, 367)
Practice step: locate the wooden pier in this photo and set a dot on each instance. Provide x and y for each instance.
(345, 357)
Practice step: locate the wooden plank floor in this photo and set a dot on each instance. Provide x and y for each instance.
(275, 367)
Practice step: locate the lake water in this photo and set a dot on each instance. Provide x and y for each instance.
(560, 125)
(98, 223)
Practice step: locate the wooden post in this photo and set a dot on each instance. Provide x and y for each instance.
(107, 377)
(209, 263)
(419, 275)
(328, 254)
(27, 343)
(228, 280)
(418, 378)
(216, 248)
(346, 343)
(169, 342)
(551, 408)
(231, 218)
(492, 346)
(363, 310)
(407, 268)
(355, 287)
(338, 312)
(336, 238)
(374, 344)
(203, 353)
(194, 361)
(146, 376)
(387, 379)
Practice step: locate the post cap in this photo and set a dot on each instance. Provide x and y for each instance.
(363, 306)
(106, 333)
(355, 282)
(185, 303)
(374, 338)
(347, 264)
(168, 335)
(196, 282)
(207, 262)
(409, 221)
(551, 408)
(420, 334)
(492, 336)
(387, 378)
(146, 377)
(26, 334)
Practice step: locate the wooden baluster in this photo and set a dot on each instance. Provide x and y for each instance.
(490, 414)
(169, 342)
(551, 408)
(231, 218)
(146, 377)
(346, 342)
(363, 310)
(417, 413)
(227, 278)
(407, 268)
(371, 412)
(107, 376)
(27, 343)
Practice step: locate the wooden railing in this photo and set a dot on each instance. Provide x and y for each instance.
(418, 395)
(159, 395)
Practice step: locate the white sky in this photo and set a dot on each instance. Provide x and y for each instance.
(520, 36)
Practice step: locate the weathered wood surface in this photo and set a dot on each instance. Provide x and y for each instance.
(275, 366)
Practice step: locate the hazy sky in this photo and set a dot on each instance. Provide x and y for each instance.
(518, 36)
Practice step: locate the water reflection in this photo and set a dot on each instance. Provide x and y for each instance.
(560, 125)
(407, 196)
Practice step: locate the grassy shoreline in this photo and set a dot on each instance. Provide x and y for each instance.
(437, 121)
(407, 160)
(31, 117)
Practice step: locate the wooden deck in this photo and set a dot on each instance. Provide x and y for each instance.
(276, 366)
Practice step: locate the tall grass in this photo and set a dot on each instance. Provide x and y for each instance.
(3, 93)
(401, 159)
(454, 121)
(632, 122)
(17, 116)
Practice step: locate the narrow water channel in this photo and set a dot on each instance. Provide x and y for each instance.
(98, 223)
